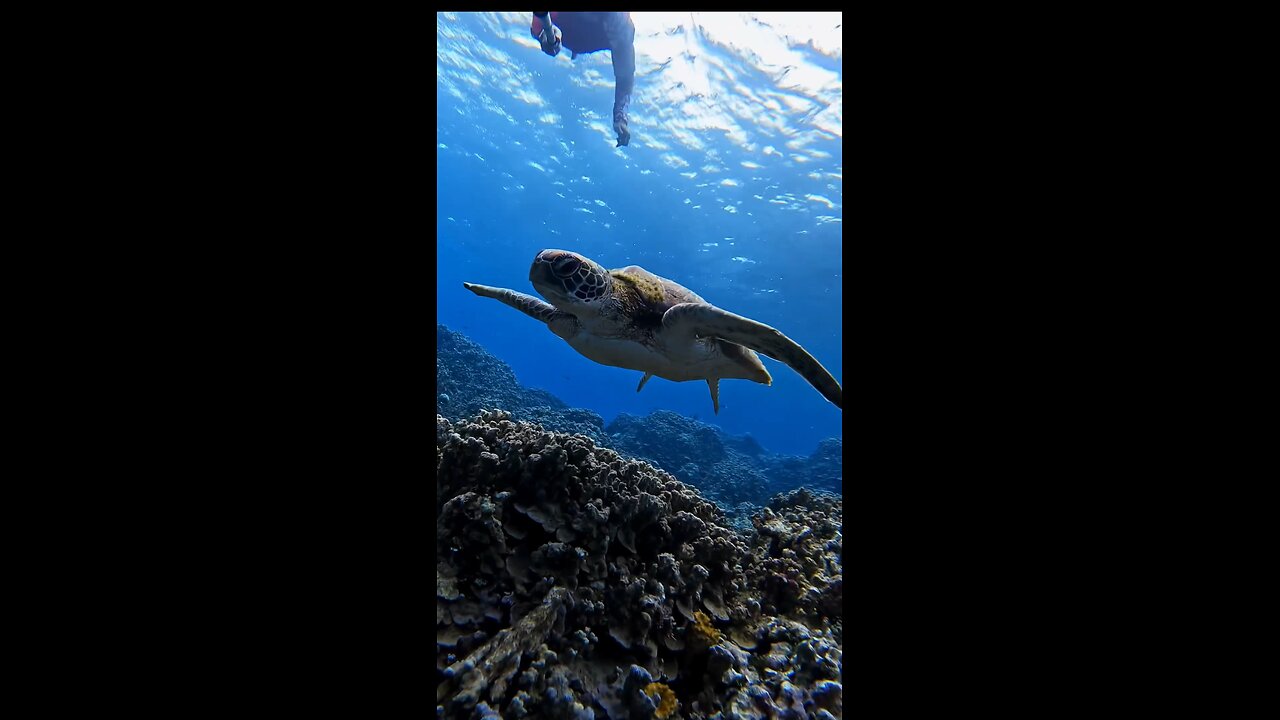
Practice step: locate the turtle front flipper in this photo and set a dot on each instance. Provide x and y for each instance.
(698, 320)
(561, 323)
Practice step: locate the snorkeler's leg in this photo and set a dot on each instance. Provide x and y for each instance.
(547, 33)
(622, 48)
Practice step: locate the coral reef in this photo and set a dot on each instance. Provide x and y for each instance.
(728, 469)
(797, 556)
(469, 379)
(693, 451)
(701, 633)
(574, 582)
(664, 697)
(822, 470)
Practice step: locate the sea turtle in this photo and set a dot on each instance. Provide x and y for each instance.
(631, 318)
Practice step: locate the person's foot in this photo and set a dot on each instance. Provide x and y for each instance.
(550, 40)
(624, 133)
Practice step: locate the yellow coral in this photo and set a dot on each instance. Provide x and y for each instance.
(666, 699)
(701, 633)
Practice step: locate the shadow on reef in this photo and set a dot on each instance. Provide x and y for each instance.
(572, 582)
(728, 469)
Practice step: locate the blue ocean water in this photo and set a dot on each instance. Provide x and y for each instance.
(731, 186)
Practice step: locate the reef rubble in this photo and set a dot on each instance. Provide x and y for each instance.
(575, 582)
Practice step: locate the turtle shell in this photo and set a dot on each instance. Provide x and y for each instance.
(644, 297)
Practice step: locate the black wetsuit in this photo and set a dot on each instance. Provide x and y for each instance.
(588, 32)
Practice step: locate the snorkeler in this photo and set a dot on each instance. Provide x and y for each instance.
(588, 32)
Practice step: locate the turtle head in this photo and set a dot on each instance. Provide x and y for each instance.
(566, 278)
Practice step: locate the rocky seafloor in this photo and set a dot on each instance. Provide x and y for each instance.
(573, 581)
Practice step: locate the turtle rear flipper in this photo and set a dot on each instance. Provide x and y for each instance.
(696, 320)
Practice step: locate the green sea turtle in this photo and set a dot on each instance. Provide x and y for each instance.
(631, 318)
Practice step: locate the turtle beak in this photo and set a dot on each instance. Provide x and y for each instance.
(541, 274)
(541, 270)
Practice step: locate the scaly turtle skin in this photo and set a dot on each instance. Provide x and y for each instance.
(631, 318)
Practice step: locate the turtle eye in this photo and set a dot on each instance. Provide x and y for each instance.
(567, 266)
